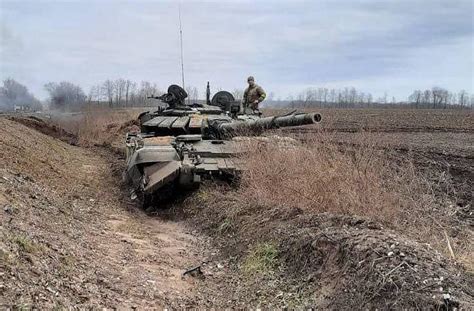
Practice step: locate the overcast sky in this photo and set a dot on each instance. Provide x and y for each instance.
(374, 45)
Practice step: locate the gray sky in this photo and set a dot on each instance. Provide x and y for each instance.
(374, 45)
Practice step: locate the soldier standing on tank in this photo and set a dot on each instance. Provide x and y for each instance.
(253, 95)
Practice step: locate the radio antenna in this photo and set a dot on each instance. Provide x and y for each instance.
(181, 44)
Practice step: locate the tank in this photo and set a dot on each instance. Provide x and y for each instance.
(181, 144)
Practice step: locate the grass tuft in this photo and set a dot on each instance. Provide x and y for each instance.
(25, 244)
(225, 226)
(262, 259)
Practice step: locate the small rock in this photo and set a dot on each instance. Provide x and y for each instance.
(220, 266)
(390, 254)
(91, 200)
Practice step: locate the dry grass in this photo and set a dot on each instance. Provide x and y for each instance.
(361, 180)
(97, 126)
(320, 177)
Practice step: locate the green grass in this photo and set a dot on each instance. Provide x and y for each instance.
(262, 259)
(225, 226)
(25, 244)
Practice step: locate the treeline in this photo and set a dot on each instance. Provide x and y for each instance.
(15, 96)
(435, 98)
(440, 98)
(126, 93)
(122, 93)
(109, 93)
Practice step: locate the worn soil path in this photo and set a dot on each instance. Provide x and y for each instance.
(68, 228)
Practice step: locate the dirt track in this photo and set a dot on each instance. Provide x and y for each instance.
(70, 238)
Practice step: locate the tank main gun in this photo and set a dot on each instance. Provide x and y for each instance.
(267, 123)
(221, 129)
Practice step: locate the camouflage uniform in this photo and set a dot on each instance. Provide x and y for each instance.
(253, 93)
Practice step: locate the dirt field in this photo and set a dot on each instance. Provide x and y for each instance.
(70, 237)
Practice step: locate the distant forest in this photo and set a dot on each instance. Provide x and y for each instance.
(434, 98)
(66, 96)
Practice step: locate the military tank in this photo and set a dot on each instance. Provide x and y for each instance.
(181, 144)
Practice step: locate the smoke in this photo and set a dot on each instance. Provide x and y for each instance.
(15, 95)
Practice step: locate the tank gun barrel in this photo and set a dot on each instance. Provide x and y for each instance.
(267, 123)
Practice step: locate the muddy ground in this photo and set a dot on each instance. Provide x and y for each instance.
(70, 237)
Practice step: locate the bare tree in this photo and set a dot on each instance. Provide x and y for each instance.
(119, 85)
(133, 94)
(90, 95)
(416, 97)
(325, 95)
(369, 100)
(108, 91)
(95, 94)
(427, 97)
(438, 96)
(129, 85)
(332, 96)
(463, 98)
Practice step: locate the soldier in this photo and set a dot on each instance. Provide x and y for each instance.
(253, 95)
